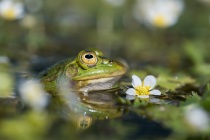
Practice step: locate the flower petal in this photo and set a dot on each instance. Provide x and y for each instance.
(131, 91)
(150, 81)
(136, 81)
(143, 96)
(130, 97)
(155, 92)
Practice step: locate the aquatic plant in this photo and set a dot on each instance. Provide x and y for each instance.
(143, 89)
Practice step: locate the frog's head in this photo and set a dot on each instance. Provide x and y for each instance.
(92, 71)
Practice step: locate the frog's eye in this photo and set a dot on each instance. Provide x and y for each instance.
(89, 58)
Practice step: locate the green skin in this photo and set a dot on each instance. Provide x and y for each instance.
(76, 74)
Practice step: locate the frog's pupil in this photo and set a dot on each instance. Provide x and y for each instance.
(88, 56)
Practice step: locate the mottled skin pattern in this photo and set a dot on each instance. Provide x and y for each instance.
(85, 70)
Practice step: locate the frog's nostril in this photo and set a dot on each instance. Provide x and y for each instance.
(105, 61)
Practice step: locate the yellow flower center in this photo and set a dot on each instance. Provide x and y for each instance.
(159, 21)
(142, 90)
(10, 13)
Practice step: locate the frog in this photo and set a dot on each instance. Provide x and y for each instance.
(89, 71)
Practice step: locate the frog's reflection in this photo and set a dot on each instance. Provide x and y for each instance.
(84, 109)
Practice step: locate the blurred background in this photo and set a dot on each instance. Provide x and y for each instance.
(164, 35)
(158, 32)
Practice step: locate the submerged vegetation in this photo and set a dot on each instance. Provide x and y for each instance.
(170, 42)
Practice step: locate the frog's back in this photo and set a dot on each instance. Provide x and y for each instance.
(48, 76)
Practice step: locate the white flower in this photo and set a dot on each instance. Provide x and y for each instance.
(142, 89)
(32, 93)
(11, 10)
(158, 13)
(115, 2)
(197, 117)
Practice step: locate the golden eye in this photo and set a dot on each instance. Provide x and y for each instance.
(89, 58)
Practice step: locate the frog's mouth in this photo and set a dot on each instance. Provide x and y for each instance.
(95, 79)
(100, 76)
(98, 84)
